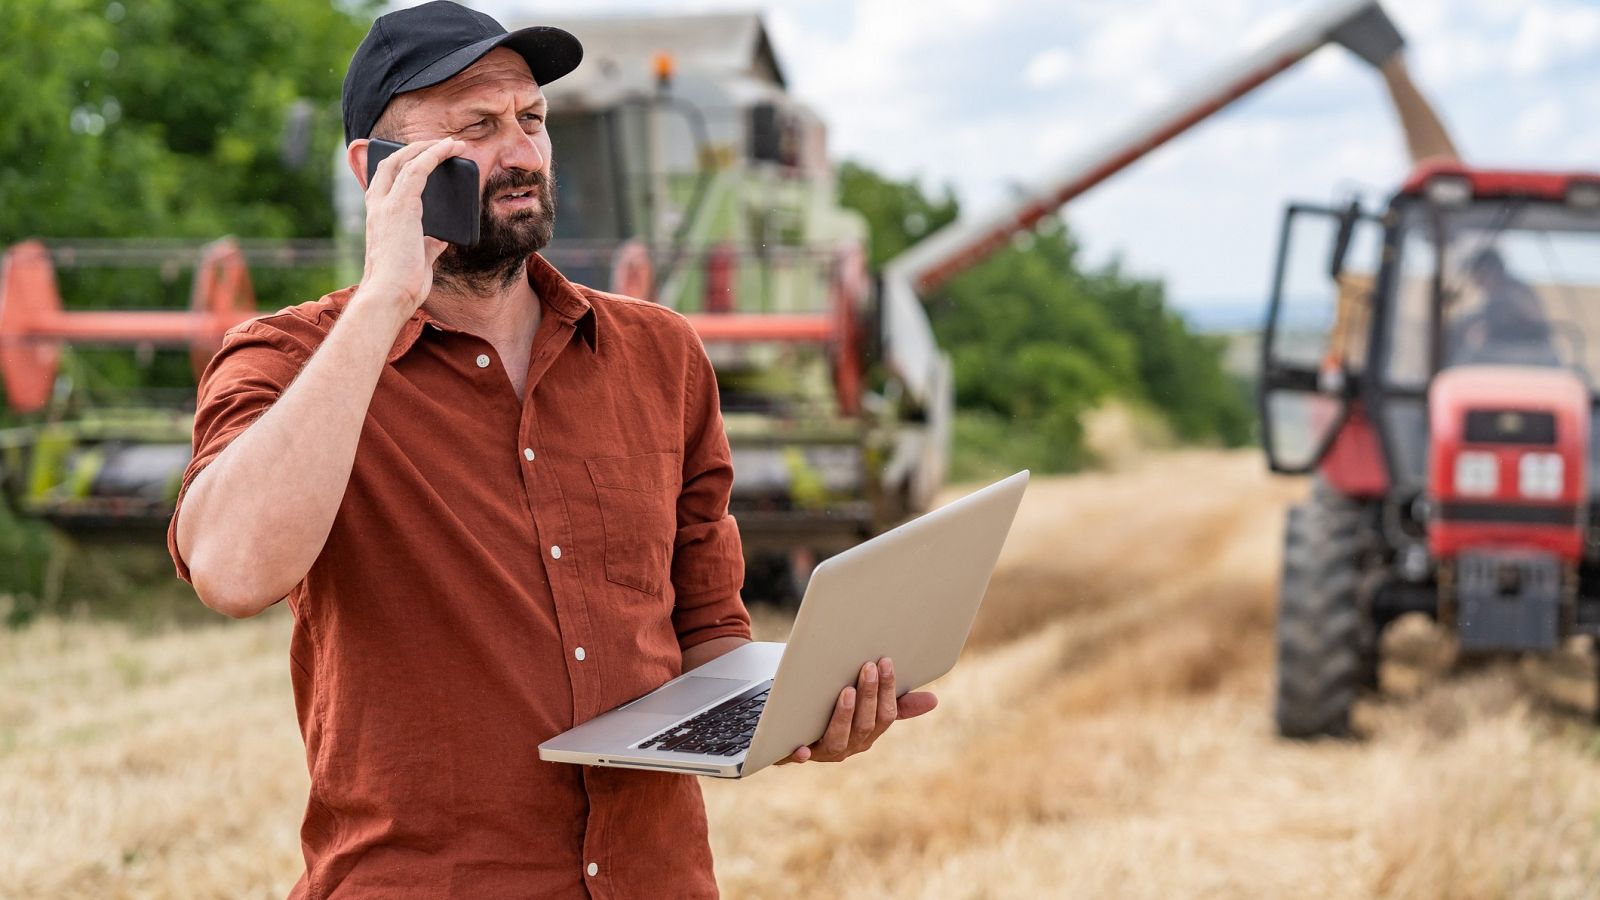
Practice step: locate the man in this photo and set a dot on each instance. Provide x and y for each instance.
(496, 503)
(1509, 327)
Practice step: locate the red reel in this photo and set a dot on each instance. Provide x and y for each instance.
(33, 325)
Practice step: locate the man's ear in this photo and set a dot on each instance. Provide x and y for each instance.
(355, 156)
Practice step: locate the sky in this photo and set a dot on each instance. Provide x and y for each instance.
(988, 96)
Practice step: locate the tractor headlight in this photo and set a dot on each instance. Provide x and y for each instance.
(1539, 475)
(1584, 195)
(1477, 473)
(1449, 190)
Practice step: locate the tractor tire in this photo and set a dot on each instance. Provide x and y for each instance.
(1322, 660)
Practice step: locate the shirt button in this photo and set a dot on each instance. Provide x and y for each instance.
(483, 360)
(580, 655)
(593, 870)
(555, 552)
(527, 453)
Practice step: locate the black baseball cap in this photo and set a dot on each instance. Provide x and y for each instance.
(410, 49)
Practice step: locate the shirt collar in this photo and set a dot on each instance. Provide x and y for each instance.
(558, 295)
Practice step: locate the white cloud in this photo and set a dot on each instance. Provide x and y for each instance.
(1332, 65)
(1125, 46)
(1540, 124)
(1456, 57)
(1048, 69)
(1150, 90)
(1060, 138)
(1203, 212)
(1268, 27)
(1552, 35)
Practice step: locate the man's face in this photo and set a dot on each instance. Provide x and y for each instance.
(497, 109)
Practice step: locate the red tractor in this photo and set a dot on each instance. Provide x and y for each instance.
(1438, 374)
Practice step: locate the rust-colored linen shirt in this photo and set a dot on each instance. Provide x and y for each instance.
(500, 569)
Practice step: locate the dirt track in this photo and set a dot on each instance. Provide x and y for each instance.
(1106, 735)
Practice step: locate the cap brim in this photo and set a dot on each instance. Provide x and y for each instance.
(550, 53)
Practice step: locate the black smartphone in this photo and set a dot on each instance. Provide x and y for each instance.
(451, 200)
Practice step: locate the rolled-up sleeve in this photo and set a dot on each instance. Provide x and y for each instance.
(708, 557)
(244, 379)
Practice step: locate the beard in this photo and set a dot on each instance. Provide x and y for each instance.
(504, 244)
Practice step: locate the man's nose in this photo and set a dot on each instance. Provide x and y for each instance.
(521, 151)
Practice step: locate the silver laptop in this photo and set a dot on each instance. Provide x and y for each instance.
(910, 594)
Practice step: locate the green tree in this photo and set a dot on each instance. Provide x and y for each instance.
(1180, 372)
(1037, 341)
(897, 212)
(168, 118)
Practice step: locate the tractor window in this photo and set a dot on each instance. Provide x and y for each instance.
(1409, 343)
(1300, 424)
(1525, 297)
(1521, 287)
(1318, 319)
(1306, 296)
(1408, 359)
(1316, 330)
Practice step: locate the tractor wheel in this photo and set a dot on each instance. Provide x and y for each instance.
(1321, 658)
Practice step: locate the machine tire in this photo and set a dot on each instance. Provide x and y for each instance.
(779, 579)
(1320, 619)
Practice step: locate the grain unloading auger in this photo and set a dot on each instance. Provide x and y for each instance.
(1361, 26)
(703, 185)
(690, 176)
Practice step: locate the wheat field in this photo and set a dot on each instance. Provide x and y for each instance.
(1107, 734)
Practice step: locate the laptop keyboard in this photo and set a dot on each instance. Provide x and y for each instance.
(722, 730)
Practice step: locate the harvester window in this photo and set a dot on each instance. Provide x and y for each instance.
(588, 204)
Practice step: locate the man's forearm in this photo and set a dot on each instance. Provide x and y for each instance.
(255, 520)
(700, 654)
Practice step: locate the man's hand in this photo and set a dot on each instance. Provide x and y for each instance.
(862, 714)
(400, 258)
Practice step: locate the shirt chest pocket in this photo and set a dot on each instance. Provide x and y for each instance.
(638, 498)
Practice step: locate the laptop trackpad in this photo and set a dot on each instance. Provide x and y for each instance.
(686, 695)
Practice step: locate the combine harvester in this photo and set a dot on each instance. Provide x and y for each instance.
(690, 176)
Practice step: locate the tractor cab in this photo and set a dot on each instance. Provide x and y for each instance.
(1437, 368)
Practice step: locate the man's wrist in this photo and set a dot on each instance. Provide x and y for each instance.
(705, 652)
(379, 305)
